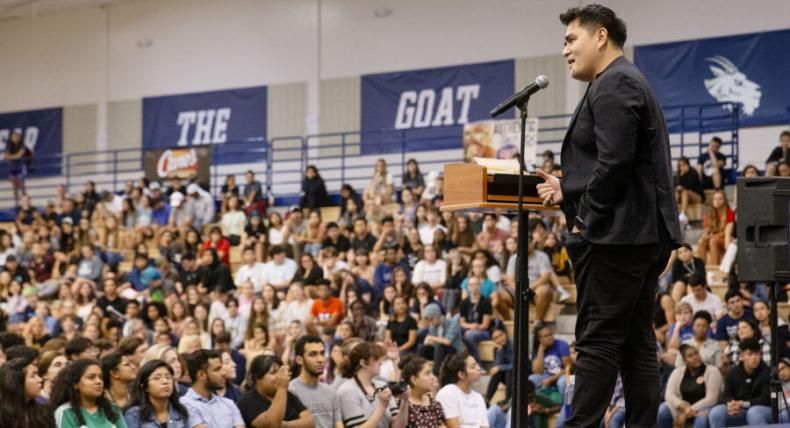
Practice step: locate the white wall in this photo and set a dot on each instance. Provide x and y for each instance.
(92, 56)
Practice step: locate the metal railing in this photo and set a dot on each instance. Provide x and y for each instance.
(347, 157)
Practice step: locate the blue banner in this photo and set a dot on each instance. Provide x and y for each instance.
(41, 131)
(748, 69)
(235, 116)
(428, 108)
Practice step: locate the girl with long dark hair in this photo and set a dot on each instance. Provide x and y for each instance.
(155, 399)
(314, 193)
(78, 398)
(20, 385)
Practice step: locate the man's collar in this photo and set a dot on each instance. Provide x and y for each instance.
(617, 60)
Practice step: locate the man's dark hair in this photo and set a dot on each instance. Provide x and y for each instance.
(785, 133)
(303, 341)
(696, 279)
(705, 315)
(594, 16)
(716, 140)
(8, 339)
(387, 219)
(687, 246)
(77, 346)
(323, 281)
(732, 293)
(750, 344)
(276, 249)
(21, 351)
(198, 361)
(331, 225)
(128, 345)
(188, 256)
(223, 337)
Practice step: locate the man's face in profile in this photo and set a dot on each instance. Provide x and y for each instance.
(581, 50)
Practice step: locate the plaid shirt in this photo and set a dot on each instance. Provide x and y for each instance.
(734, 352)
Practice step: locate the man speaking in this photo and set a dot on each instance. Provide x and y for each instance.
(616, 194)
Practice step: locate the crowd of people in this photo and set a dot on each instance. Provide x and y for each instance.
(164, 305)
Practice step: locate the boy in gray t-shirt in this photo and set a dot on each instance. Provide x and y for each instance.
(319, 398)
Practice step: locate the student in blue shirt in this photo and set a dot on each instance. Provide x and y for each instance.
(155, 399)
(727, 326)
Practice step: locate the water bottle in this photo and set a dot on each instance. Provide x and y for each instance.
(569, 396)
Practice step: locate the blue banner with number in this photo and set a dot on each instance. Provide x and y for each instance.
(41, 133)
(233, 121)
(749, 69)
(428, 108)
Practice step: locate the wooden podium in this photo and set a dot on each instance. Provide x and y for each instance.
(469, 187)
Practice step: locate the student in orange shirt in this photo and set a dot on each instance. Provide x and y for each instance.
(327, 310)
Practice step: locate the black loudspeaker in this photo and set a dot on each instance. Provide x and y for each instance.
(763, 208)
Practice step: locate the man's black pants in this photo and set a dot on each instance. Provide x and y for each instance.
(616, 288)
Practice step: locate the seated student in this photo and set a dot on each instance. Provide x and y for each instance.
(267, 402)
(201, 401)
(365, 400)
(684, 266)
(402, 327)
(549, 360)
(680, 331)
(443, 337)
(701, 299)
(727, 326)
(688, 187)
(708, 348)
(747, 329)
(693, 388)
(779, 155)
(710, 165)
(418, 409)
(463, 406)
(747, 396)
(710, 246)
(155, 399)
(327, 311)
(476, 313)
(501, 371)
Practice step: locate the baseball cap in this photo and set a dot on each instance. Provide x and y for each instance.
(176, 199)
(67, 219)
(431, 311)
(154, 185)
(193, 188)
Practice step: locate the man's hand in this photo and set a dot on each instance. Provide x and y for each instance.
(494, 370)
(550, 191)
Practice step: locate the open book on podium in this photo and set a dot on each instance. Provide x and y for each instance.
(489, 184)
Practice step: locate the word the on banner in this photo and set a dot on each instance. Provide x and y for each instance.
(41, 131)
(743, 69)
(429, 107)
(500, 139)
(234, 115)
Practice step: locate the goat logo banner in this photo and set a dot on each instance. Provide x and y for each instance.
(41, 131)
(218, 117)
(427, 109)
(745, 69)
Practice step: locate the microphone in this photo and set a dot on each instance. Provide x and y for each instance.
(541, 82)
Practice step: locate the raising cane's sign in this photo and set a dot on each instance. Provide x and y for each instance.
(184, 163)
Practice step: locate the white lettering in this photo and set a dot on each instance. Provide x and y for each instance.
(31, 137)
(221, 126)
(405, 115)
(205, 119)
(185, 120)
(424, 113)
(466, 94)
(444, 113)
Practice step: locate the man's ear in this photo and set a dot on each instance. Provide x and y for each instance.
(601, 37)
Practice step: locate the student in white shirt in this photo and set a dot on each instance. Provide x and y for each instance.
(251, 270)
(463, 407)
(431, 270)
(702, 300)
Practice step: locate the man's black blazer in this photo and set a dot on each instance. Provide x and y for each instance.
(617, 183)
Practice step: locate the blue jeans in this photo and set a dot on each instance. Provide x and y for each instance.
(536, 379)
(472, 338)
(665, 419)
(754, 415)
(497, 418)
(618, 419)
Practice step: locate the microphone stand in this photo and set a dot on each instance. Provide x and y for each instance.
(519, 403)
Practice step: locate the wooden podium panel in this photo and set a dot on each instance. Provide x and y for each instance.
(469, 187)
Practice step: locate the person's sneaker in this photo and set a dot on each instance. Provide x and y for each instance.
(683, 220)
(564, 295)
